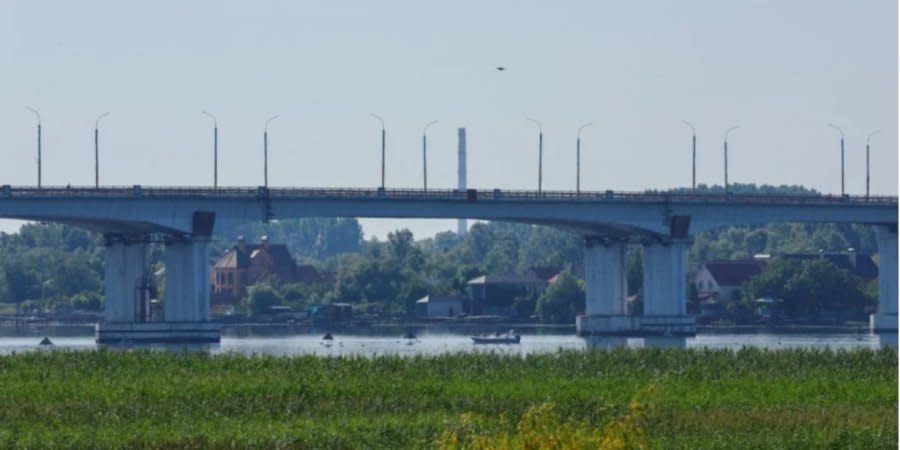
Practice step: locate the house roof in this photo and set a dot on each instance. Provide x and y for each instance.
(507, 279)
(439, 299)
(239, 257)
(545, 272)
(734, 273)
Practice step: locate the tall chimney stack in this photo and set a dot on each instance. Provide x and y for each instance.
(461, 225)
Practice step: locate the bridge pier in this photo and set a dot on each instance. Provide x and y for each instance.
(127, 296)
(605, 282)
(663, 291)
(885, 319)
(185, 317)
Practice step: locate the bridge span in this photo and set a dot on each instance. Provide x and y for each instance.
(662, 222)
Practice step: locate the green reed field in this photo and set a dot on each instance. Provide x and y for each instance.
(623, 398)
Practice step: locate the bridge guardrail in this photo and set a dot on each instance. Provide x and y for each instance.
(487, 195)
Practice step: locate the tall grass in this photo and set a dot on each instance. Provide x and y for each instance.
(688, 398)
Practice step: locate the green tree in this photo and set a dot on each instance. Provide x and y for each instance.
(562, 300)
(809, 287)
(262, 297)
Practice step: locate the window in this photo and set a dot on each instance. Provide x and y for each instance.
(230, 278)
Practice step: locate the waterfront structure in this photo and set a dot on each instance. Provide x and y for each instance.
(661, 222)
(439, 306)
(495, 295)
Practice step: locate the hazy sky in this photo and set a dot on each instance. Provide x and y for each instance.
(782, 69)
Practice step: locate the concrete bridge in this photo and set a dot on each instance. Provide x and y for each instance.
(661, 222)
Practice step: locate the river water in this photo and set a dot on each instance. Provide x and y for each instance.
(390, 341)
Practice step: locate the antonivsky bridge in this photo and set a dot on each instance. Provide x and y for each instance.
(663, 223)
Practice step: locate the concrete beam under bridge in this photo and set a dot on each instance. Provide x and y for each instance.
(185, 317)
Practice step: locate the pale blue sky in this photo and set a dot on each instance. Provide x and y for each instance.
(781, 69)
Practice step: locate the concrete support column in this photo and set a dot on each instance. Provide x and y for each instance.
(886, 317)
(664, 278)
(187, 281)
(126, 264)
(604, 277)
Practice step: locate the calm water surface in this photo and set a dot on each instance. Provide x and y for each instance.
(428, 342)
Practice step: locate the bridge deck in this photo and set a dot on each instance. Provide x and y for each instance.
(274, 193)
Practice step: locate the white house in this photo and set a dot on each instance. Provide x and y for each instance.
(438, 306)
(722, 280)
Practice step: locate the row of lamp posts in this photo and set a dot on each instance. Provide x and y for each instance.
(425, 152)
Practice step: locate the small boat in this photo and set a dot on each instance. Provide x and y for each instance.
(507, 338)
(327, 337)
(46, 341)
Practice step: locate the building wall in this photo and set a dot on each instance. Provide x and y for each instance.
(704, 281)
(445, 308)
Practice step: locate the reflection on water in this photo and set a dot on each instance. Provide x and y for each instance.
(888, 340)
(665, 341)
(434, 342)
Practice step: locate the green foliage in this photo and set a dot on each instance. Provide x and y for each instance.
(809, 287)
(675, 398)
(634, 274)
(262, 297)
(87, 301)
(562, 300)
(49, 263)
(301, 295)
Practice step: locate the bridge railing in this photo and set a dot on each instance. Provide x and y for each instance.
(470, 195)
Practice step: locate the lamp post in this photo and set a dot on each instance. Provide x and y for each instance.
(578, 158)
(382, 147)
(266, 151)
(540, 152)
(693, 154)
(97, 150)
(725, 138)
(38, 144)
(842, 154)
(425, 154)
(867, 160)
(215, 149)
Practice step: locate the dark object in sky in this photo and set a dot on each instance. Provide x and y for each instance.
(501, 68)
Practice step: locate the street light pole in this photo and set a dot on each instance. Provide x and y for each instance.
(867, 160)
(693, 154)
(578, 158)
(38, 144)
(425, 154)
(215, 149)
(540, 153)
(266, 151)
(382, 147)
(97, 150)
(842, 154)
(725, 138)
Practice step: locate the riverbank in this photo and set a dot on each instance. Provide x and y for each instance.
(670, 398)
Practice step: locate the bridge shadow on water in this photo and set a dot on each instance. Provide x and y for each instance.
(205, 348)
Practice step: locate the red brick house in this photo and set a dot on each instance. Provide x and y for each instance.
(246, 264)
